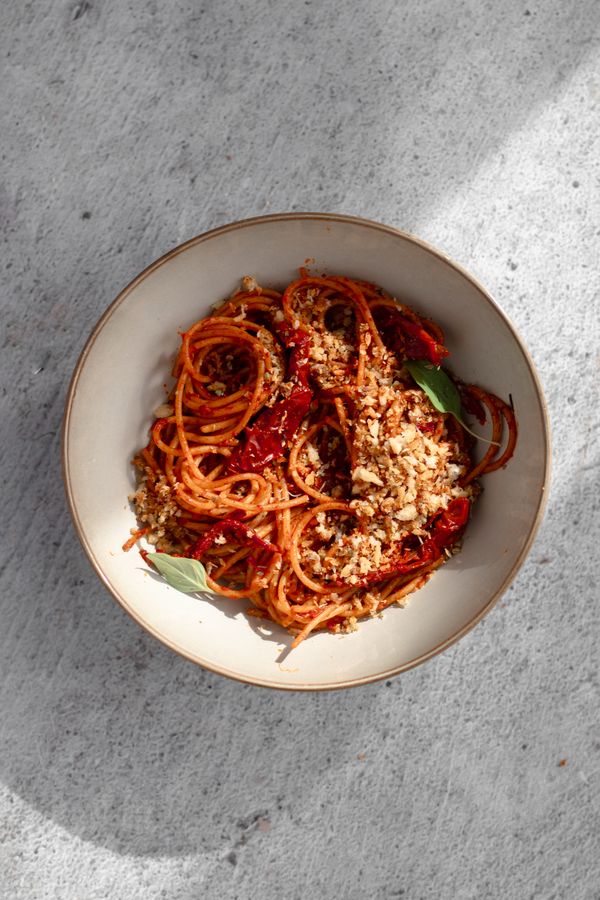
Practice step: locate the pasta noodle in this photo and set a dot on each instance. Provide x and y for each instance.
(301, 463)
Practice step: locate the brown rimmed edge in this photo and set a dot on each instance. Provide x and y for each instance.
(322, 217)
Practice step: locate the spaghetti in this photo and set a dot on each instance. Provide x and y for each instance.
(300, 462)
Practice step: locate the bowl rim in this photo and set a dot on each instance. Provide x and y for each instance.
(245, 223)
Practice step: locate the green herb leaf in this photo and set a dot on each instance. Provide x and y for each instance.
(441, 390)
(187, 575)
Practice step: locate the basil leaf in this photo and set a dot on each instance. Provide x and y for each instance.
(441, 390)
(183, 574)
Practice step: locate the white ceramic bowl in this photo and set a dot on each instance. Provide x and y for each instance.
(118, 382)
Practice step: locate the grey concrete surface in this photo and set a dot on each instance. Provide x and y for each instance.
(126, 772)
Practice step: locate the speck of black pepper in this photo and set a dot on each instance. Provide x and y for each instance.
(232, 858)
(526, 13)
(523, 746)
(86, 215)
(575, 184)
(513, 265)
(388, 684)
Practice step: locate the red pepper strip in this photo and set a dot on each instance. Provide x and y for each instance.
(267, 439)
(450, 523)
(407, 338)
(446, 528)
(298, 341)
(419, 344)
(230, 527)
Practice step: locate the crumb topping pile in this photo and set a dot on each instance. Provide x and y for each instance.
(404, 464)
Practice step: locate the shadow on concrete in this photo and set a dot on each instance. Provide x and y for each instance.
(106, 732)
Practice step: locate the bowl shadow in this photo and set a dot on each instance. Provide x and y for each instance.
(106, 732)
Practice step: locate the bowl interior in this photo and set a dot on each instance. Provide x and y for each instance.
(120, 380)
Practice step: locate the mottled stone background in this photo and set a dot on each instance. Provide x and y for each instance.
(126, 128)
